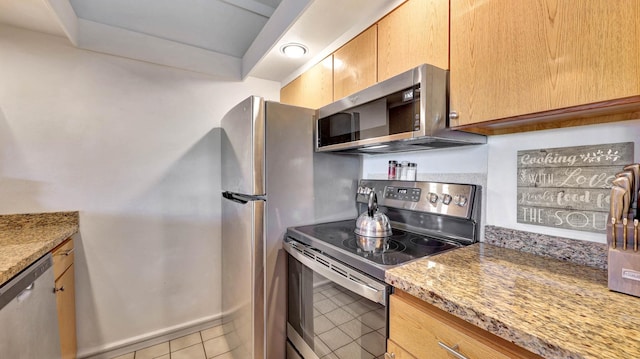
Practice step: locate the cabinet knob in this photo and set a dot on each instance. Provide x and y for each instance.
(67, 252)
(56, 290)
(389, 355)
(453, 115)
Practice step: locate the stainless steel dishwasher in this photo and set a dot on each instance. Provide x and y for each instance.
(28, 314)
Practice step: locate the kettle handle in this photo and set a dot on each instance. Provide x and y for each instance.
(372, 206)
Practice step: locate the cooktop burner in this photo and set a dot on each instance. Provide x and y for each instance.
(400, 247)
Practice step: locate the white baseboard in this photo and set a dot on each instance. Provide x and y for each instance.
(129, 345)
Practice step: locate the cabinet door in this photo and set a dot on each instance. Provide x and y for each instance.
(424, 330)
(396, 352)
(62, 257)
(415, 33)
(313, 89)
(354, 64)
(291, 94)
(65, 293)
(511, 58)
(317, 84)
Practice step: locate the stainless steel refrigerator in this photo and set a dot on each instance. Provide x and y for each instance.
(271, 179)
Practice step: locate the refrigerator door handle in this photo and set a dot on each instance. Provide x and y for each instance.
(242, 198)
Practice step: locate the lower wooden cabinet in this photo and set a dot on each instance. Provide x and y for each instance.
(64, 273)
(420, 330)
(394, 351)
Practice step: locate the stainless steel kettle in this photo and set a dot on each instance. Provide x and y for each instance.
(372, 223)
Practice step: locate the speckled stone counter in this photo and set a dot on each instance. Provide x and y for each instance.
(26, 237)
(550, 307)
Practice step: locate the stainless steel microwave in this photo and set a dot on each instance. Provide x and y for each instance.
(404, 113)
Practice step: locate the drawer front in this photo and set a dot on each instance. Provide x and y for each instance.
(62, 258)
(424, 332)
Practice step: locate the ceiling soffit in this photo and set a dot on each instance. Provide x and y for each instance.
(228, 39)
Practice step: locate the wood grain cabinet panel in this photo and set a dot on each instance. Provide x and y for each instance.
(312, 89)
(317, 84)
(396, 352)
(512, 58)
(355, 64)
(415, 33)
(64, 275)
(67, 313)
(63, 257)
(291, 94)
(421, 330)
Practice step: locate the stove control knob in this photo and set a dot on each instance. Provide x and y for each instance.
(432, 197)
(446, 199)
(460, 200)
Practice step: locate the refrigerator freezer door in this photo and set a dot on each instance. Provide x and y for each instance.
(242, 148)
(243, 276)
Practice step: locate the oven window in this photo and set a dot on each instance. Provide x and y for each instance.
(333, 321)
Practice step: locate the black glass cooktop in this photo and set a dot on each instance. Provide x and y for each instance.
(400, 247)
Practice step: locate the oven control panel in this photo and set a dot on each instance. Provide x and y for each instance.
(402, 193)
(452, 199)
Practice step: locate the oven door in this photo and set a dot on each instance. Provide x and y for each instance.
(332, 308)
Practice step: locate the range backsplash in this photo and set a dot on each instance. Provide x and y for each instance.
(577, 251)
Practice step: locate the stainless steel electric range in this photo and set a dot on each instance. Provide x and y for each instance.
(336, 291)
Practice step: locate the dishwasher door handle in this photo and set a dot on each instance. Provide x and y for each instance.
(23, 283)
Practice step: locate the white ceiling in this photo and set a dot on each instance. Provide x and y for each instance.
(230, 39)
(190, 22)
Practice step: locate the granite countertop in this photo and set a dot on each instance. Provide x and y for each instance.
(26, 237)
(553, 308)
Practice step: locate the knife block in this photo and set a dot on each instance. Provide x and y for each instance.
(624, 265)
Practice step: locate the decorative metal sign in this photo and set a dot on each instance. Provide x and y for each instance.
(569, 187)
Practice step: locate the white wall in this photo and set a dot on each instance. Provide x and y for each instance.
(494, 167)
(502, 186)
(467, 164)
(133, 147)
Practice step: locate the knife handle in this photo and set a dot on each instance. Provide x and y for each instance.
(638, 206)
(635, 235)
(613, 232)
(624, 233)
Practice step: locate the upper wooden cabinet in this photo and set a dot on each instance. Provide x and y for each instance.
(291, 94)
(527, 60)
(354, 64)
(312, 89)
(415, 33)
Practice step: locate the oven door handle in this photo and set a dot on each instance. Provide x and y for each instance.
(338, 273)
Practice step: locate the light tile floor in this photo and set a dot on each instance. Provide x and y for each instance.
(346, 326)
(206, 344)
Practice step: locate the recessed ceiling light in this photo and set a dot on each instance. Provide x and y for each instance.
(293, 50)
